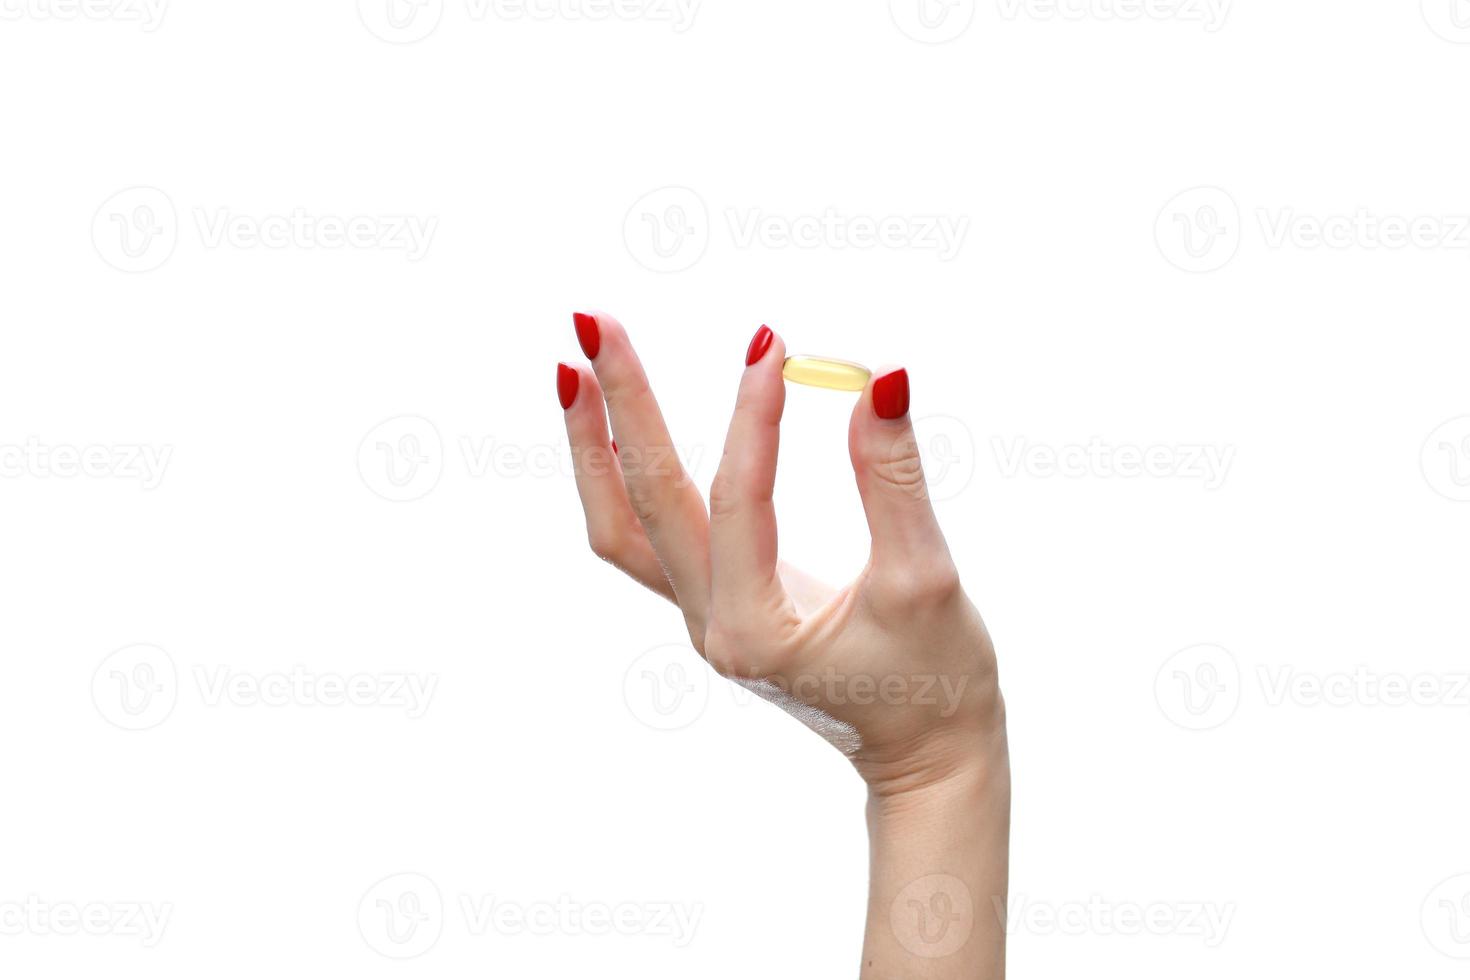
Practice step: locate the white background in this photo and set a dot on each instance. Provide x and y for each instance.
(1072, 314)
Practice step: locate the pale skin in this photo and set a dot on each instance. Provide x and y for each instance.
(899, 656)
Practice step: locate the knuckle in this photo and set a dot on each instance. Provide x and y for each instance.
(721, 648)
(747, 649)
(622, 385)
(900, 467)
(605, 543)
(939, 584)
(921, 585)
(644, 501)
(732, 650)
(723, 496)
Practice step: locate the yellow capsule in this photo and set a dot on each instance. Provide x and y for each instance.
(823, 372)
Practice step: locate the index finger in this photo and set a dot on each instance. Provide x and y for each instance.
(746, 594)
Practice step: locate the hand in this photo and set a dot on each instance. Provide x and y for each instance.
(896, 669)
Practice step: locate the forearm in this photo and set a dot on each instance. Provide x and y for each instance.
(938, 876)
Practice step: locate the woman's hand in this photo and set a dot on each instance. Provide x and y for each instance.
(896, 669)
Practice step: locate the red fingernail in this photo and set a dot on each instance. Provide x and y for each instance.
(567, 381)
(759, 344)
(615, 447)
(587, 334)
(891, 395)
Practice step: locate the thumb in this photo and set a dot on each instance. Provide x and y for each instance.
(890, 476)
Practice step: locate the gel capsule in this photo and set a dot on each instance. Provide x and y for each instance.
(823, 372)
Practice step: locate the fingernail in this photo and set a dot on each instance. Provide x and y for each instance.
(759, 344)
(891, 395)
(587, 334)
(615, 447)
(567, 382)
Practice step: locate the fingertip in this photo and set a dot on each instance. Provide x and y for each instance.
(568, 383)
(889, 394)
(762, 386)
(589, 335)
(759, 345)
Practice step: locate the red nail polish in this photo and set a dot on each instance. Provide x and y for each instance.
(891, 395)
(587, 334)
(759, 344)
(567, 382)
(615, 447)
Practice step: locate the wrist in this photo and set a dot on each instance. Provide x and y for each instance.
(939, 869)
